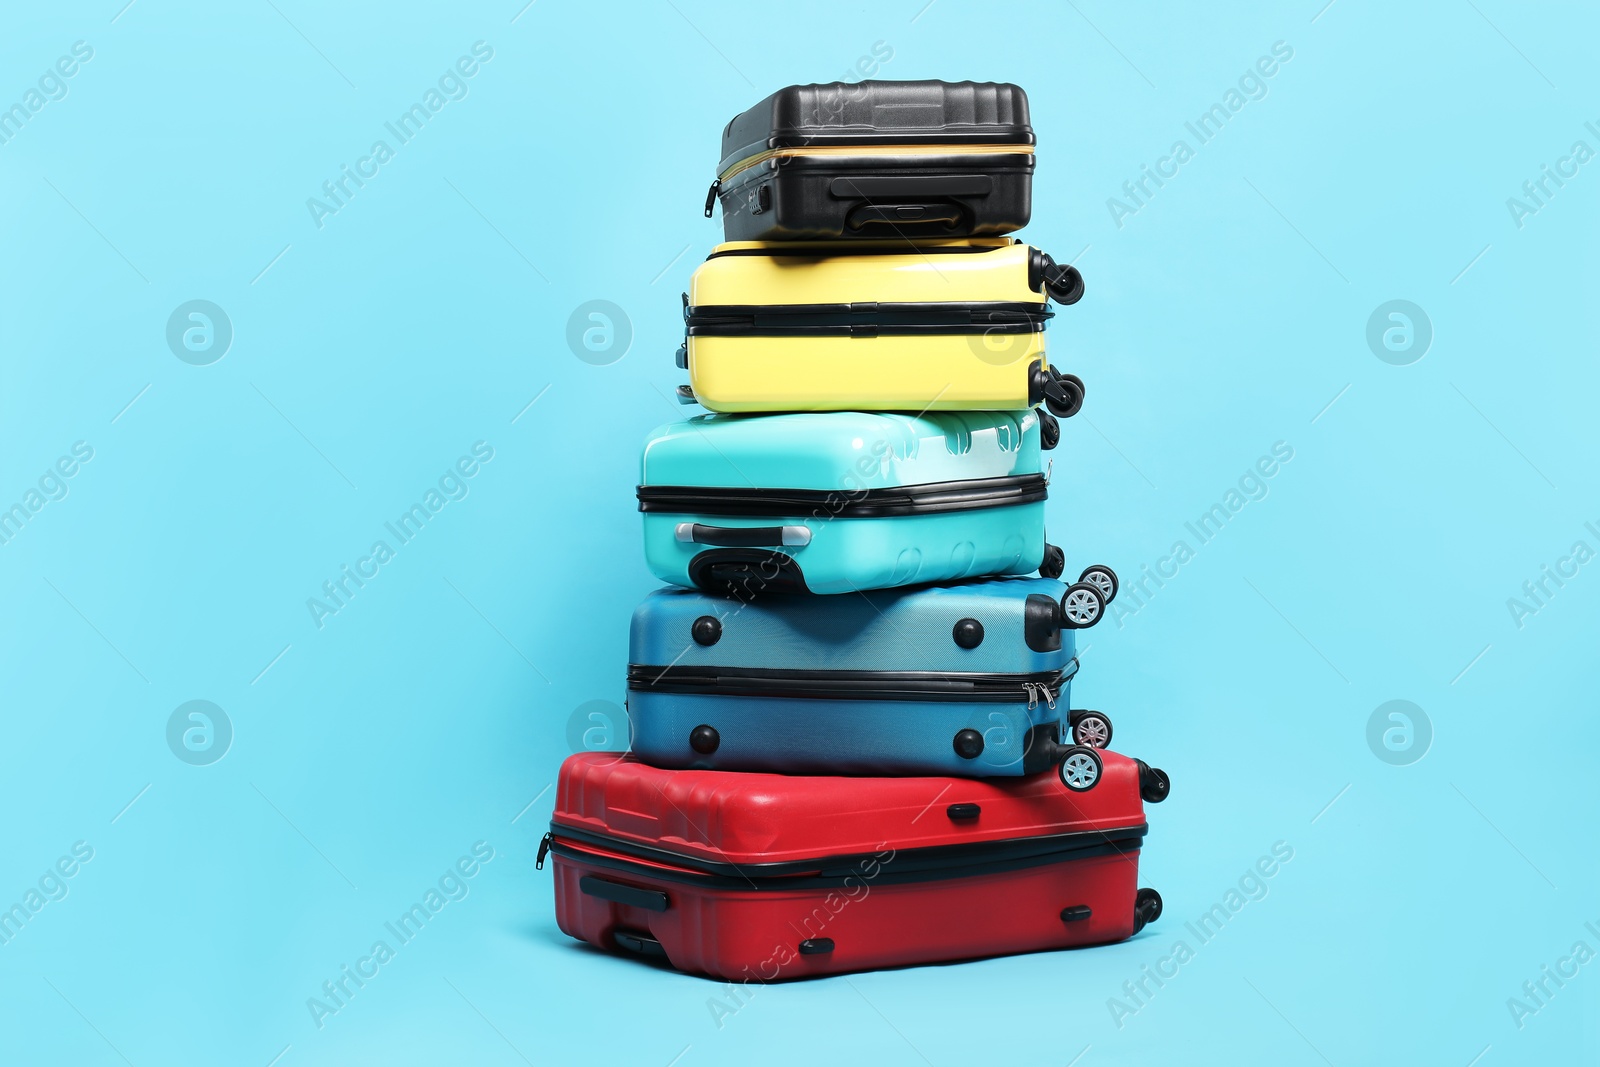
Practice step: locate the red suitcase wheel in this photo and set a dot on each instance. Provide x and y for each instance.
(1154, 785)
(1146, 908)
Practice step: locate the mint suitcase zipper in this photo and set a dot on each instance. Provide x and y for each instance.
(837, 502)
(972, 680)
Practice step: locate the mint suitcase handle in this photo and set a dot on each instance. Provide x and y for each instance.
(695, 533)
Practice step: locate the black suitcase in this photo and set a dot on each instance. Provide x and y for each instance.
(877, 159)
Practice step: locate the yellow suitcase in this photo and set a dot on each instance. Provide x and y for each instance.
(941, 325)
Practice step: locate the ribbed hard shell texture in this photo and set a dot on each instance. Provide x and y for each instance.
(875, 108)
(752, 818)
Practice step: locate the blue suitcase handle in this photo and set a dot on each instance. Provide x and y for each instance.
(694, 533)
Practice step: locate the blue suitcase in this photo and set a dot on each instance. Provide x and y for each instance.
(970, 680)
(835, 502)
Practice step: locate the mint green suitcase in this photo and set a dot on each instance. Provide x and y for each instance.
(834, 502)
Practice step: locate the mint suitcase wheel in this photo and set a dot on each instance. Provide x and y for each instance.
(1054, 562)
(1090, 729)
(1102, 578)
(1080, 768)
(1049, 430)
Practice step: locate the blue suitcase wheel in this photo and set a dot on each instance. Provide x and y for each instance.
(1082, 605)
(1080, 768)
(704, 739)
(1091, 729)
(1102, 578)
(968, 744)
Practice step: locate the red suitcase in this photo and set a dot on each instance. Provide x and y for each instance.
(763, 877)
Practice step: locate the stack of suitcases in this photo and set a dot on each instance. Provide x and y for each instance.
(851, 738)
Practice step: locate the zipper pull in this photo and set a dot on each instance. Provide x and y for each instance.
(1049, 696)
(711, 195)
(1033, 699)
(544, 850)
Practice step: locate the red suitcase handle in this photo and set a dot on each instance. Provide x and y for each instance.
(617, 893)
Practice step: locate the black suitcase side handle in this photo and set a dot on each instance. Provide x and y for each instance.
(935, 213)
(617, 893)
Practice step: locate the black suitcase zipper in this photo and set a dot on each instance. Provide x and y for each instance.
(937, 686)
(931, 863)
(888, 502)
(935, 157)
(866, 319)
(998, 139)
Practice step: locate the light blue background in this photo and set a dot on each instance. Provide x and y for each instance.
(431, 712)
